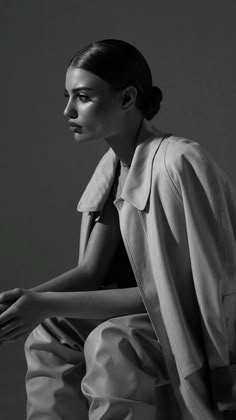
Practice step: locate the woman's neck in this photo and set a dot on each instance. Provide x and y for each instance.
(125, 142)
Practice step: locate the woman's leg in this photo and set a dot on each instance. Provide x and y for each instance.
(124, 369)
(124, 377)
(54, 355)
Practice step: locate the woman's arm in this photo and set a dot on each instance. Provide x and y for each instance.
(89, 275)
(98, 304)
(72, 280)
(29, 307)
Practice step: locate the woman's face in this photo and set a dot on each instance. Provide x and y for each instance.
(93, 108)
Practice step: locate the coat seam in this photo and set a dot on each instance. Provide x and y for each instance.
(172, 184)
(219, 208)
(220, 215)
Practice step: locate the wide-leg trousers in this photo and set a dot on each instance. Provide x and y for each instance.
(98, 370)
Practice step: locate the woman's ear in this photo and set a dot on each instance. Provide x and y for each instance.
(129, 97)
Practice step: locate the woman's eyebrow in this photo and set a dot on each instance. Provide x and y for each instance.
(78, 89)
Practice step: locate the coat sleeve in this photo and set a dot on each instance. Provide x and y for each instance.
(202, 188)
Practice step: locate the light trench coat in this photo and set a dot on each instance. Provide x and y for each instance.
(177, 214)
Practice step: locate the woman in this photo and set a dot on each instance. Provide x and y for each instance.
(143, 327)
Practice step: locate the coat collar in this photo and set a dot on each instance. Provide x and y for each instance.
(137, 185)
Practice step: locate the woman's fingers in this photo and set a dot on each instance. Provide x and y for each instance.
(22, 315)
(6, 328)
(3, 307)
(11, 295)
(13, 335)
(7, 316)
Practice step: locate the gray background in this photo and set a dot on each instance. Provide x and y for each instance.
(190, 46)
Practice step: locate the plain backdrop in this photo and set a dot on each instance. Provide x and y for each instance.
(190, 46)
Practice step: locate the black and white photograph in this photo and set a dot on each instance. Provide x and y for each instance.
(118, 210)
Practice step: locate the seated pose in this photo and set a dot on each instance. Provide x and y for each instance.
(144, 327)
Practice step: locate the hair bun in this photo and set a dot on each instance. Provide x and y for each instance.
(154, 102)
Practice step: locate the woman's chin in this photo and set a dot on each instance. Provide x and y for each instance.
(82, 137)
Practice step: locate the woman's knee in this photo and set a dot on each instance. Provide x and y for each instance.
(119, 333)
(110, 347)
(113, 365)
(104, 335)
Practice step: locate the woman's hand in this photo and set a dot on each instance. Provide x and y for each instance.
(22, 310)
(3, 307)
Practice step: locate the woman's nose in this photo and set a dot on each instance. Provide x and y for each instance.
(70, 110)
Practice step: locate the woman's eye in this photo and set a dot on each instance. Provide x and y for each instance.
(83, 98)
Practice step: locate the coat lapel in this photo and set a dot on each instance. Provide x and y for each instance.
(137, 186)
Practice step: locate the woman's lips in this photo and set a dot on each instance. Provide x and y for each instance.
(76, 128)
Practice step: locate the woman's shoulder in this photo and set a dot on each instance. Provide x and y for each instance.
(180, 160)
(179, 152)
(177, 148)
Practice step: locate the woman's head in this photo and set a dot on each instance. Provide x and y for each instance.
(121, 65)
(108, 83)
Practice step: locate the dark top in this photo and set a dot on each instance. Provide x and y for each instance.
(120, 274)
